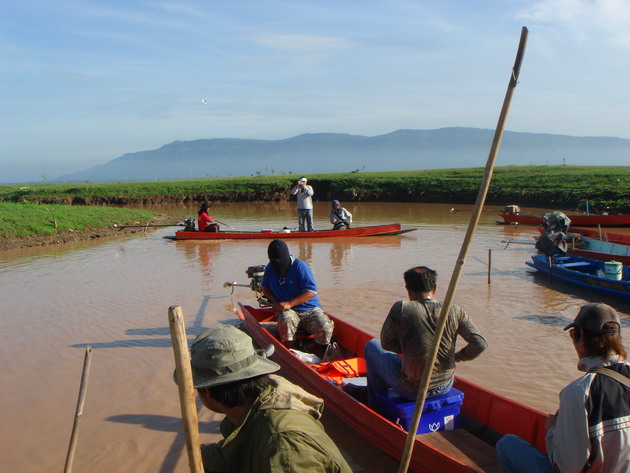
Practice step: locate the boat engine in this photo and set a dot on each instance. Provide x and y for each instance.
(255, 273)
(552, 244)
(556, 222)
(189, 224)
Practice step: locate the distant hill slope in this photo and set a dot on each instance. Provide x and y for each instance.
(335, 152)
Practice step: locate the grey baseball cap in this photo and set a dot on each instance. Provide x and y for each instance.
(224, 354)
(594, 317)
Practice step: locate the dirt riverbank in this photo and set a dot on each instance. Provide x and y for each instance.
(63, 237)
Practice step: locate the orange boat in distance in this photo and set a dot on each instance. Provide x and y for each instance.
(512, 216)
(375, 230)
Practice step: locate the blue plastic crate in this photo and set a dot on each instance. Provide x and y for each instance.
(439, 413)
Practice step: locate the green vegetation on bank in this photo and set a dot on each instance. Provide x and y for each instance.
(554, 187)
(26, 219)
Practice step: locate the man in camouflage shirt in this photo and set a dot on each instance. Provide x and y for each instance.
(408, 331)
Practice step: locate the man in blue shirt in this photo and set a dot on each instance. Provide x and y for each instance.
(289, 285)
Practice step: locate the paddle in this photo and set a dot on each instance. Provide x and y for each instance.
(185, 385)
(474, 220)
(87, 363)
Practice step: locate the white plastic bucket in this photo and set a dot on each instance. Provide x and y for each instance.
(613, 270)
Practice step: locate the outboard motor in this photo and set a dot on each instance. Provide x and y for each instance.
(189, 224)
(512, 210)
(556, 222)
(256, 274)
(552, 244)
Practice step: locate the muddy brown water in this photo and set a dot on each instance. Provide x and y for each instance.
(114, 295)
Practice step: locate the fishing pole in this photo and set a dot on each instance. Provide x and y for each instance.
(470, 210)
(145, 226)
(223, 223)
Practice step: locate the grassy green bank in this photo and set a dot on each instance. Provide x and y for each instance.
(19, 220)
(557, 187)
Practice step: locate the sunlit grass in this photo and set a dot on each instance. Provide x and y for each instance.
(561, 187)
(26, 219)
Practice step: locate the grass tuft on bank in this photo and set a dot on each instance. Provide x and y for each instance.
(27, 219)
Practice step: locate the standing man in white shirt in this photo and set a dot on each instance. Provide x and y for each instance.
(304, 204)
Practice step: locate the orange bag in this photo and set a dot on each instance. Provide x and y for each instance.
(335, 371)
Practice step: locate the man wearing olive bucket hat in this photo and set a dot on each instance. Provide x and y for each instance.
(591, 430)
(271, 425)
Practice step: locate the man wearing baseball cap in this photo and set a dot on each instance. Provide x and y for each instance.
(339, 216)
(271, 425)
(304, 194)
(591, 430)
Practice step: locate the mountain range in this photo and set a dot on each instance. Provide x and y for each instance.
(310, 153)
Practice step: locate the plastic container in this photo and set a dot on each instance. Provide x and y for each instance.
(613, 270)
(306, 357)
(439, 413)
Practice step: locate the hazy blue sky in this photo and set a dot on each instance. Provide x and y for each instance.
(83, 82)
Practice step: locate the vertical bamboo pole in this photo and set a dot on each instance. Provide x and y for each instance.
(87, 363)
(459, 264)
(489, 265)
(186, 389)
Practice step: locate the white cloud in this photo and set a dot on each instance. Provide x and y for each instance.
(585, 19)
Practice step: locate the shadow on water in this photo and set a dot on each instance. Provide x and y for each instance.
(167, 424)
(192, 331)
(156, 422)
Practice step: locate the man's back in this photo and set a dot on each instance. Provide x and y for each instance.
(409, 330)
(282, 432)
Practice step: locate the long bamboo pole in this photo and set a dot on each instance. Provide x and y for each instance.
(87, 363)
(459, 265)
(186, 389)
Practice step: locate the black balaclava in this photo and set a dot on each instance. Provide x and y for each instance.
(278, 250)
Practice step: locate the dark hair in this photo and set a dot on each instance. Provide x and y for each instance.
(420, 279)
(601, 345)
(237, 393)
(203, 209)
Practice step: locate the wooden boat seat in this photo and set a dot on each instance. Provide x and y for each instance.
(465, 447)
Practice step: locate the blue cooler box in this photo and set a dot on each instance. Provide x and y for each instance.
(439, 413)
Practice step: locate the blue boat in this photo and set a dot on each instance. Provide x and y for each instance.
(605, 277)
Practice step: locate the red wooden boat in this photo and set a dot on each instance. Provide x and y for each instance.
(576, 219)
(604, 235)
(452, 451)
(375, 230)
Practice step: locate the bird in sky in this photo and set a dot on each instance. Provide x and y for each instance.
(204, 101)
